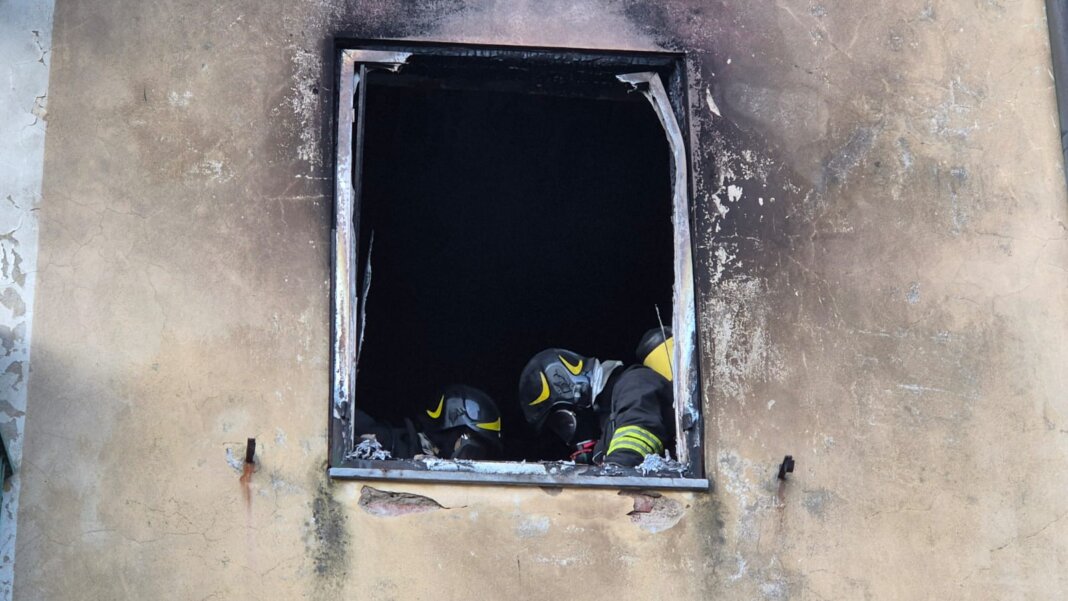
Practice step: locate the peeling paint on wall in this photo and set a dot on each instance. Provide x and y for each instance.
(384, 503)
(25, 44)
(653, 512)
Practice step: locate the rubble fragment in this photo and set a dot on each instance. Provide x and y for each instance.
(656, 464)
(384, 503)
(654, 512)
(369, 448)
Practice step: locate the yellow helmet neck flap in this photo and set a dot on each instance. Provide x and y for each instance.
(657, 351)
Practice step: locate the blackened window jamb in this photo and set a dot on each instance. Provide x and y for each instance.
(353, 65)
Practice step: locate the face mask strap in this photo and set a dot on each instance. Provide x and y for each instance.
(599, 374)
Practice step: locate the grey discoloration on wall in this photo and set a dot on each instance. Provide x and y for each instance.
(331, 541)
(818, 502)
(25, 44)
(881, 249)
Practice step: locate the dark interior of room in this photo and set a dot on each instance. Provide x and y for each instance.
(505, 223)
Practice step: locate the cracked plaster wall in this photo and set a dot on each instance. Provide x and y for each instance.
(25, 40)
(882, 254)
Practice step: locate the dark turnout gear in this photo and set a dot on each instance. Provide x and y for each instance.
(464, 423)
(602, 413)
(641, 422)
(401, 443)
(559, 391)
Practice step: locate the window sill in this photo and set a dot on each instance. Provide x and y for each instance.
(511, 473)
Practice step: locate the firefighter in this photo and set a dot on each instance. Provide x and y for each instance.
(603, 412)
(462, 423)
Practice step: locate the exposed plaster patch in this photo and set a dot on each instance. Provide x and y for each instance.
(11, 260)
(212, 169)
(721, 209)
(906, 154)
(743, 354)
(952, 118)
(732, 477)
(235, 463)
(775, 590)
(711, 102)
(532, 526)
(850, 155)
(735, 168)
(564, 561)
(653, 512)
(741, 569)
(913, 294)
(179, 99)
(12, 300)
(40, 108)
(304, 101)
(384, 503)
(958, 179)
(816, 502)
(14, 369)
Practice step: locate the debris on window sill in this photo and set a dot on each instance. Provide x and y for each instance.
(655, 464)
(369, 448)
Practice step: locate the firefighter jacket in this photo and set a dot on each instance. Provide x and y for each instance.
(640, 421)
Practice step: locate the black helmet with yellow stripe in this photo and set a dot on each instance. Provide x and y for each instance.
(553, 379)
(464, 423)
(656, 350)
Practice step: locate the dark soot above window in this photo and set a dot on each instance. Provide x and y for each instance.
(504, 224)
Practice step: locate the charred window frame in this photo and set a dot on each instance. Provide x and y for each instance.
(6, 469)
(661, 78)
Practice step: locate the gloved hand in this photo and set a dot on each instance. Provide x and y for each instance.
(584, 452)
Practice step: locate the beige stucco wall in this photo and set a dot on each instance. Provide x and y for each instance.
(885, 300)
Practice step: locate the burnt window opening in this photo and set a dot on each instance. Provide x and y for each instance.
(492, 202)
(6, 469)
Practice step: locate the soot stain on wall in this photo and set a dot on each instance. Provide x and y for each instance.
(329, 546)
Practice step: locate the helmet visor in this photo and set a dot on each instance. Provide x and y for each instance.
(473, 410)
